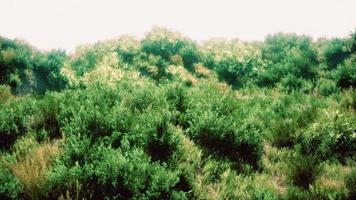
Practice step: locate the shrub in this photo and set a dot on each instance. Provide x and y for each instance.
(334, 138)
(86, 58)
(164, 43)
(14, 81)
(177, 99)
(335, 52)
(214, 126)
(12, 125)
(109, 173)
(292, 83)
(296, 193)
(269, 77)
(144, 98)
(5, 93)
(189, 55)
(162, 142)
(201, 71)
(127, 48)
(344, 74)
(152, 65)
(350, 182)
(233, 71)
(302, 171)
(327, 87)
(46, 118)
(292, 54)
(10, 187)
(291, 115)
(283, 133)
(47, 67)
(348, 100)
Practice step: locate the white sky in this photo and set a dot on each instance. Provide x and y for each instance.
(65, 24)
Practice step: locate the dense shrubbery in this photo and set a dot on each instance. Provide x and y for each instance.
(13, 123)
(214, 124)
(335, 52)
(167, 118)
(334, 138)
(9, 185)
(350, 183)
(26, 69)
(292, 114)
(164, 43)
(302, 171)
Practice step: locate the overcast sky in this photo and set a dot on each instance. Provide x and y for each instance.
(65, 24)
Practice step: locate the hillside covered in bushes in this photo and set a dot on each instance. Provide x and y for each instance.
(166, 117)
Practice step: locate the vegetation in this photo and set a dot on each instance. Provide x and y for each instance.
(167, 118)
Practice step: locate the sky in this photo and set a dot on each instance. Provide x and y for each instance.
(65, 24)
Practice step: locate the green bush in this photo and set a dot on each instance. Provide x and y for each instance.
(348, 100)
(46, 118)
(190, 55)
(291, 114)
(177, 99)
(86, 58)
(331, 139)
(296, 193)
(12, 124)
(26, 69)
(327, 87)
(345, 74)
(127, 48)
(10, 187)
(283, 133)
(165, 43)
(335, 52)
(48, 68)
(14, 53)
(14, 81)
(270, 76)
(5, 93)
(292, 83)
(233, 71)
(302, 171)
(162, 141)
(214, 125)
(108, 173)
(350, 182)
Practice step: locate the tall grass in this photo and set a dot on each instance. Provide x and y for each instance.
(32, 167)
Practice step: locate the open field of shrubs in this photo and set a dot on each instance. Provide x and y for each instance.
(165, 117)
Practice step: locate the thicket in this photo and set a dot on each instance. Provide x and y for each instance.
(167, 118)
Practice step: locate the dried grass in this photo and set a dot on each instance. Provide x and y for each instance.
(30, 170)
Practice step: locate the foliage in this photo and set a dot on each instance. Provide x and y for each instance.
(345, 74)
(335, 52)
(327, 87)
(334, 138)
(164, 117)
(5, 93)
(212, 124)
(12, 124)
(9, 185)
(291, 117)
(350, 184)
(302, 171)
(165, 43)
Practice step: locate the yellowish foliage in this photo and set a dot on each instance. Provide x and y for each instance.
(30, 169)
(103, 74)
(176, 59)
(201, 70)
(183, 74)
